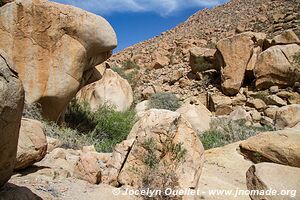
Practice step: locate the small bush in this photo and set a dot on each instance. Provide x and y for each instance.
(112, 127)
(131, 76)
(201, 64)
(166, 101)
(128, 64)
(297, 59)
(225, 131)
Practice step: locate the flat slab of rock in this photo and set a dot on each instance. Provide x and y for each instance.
(281, 147)
(224, 169)
(270, 176)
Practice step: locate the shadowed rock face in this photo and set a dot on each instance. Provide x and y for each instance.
(55, 49)
(11, 106)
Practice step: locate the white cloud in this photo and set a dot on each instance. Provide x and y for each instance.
(162, 7)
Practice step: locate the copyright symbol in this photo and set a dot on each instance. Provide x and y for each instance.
(116, 191)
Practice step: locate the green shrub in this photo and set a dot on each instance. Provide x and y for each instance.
(297, 59)
(112, 127)
(166, 101)
(132, 76)
(70, 138)
(201, 64)
(128, 64)
(224, 131)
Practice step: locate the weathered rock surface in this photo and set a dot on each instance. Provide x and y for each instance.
(11, 107)
(197, 115)
(287, 37)
(288, 116)
(112, 89)
(269, 176)
(87, 168)
(156, 134)
(224, 168)
(234, 55)
(55, 49)
(275, 67)
(32, 145)
(281, 147)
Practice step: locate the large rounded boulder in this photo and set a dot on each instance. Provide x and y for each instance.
(55, 49)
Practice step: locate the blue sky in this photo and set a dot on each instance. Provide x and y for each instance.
(138, 20)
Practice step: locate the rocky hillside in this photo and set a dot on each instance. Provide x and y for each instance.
(169, 52)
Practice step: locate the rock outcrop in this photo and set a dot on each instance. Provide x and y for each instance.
(165, 150)
(55, 49)
(11, 107)
(112, 90)
(233, 57)
(281, 147)
(32, 145)
(275, 66)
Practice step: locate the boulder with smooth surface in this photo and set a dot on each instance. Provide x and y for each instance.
(111, 89)
(55, 48)
(32, 146)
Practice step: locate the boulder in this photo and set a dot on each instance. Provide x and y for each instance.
(112, 89)
(273, 178)
(239, 114)
(288, 116)
(219, 104)
(32, 146)
(160, 61)
(119, 155)
(197, 115)
(206, 55)
(281, 147)
(271, 112)
(87, 168)
(258, 104)
(55, 48)
(275, 67)
(291, 97)
(275, 100)
(142, 106)
(233, 57)
(11, 107)
(166, 150)
(287, 37)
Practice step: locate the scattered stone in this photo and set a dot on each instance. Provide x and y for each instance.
(291, 97)
(206, 54)
(274, 89)
(256, 116)
(267, 121)
(288, 116)
(88, 169)
(275, 100)
(239, 114)
(271, 112)
(53, 143)
(221, 105)
(258, 104)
